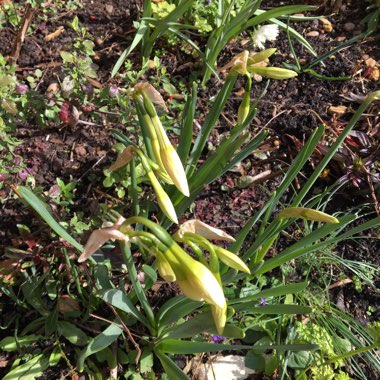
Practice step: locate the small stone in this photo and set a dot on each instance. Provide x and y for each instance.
(109, 8)
(327, 26)
(370, 62)
(98, 41)
(340, 110)
(340, 39)
(313, 33)
(349, 26)
(52, 90)
(374, 76)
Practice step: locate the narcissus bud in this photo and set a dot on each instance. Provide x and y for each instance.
(308, 214)
(273, 72)
(164, 268)
(231, 259)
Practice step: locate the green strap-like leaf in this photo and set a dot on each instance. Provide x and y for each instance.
(171, 369)
(119, 299)
(276, 291)
(176, 308)
(184, 347)
(101, 341)
(43, 211)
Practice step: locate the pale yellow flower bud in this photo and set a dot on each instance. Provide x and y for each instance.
(170, 159)
(164, 268)
(231, 259)
(307, 213)
(260, 56)
(219, 314)
(163, 199)
(273, 72)
(195, 280)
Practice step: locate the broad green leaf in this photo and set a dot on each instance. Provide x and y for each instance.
(10, 343)
(300, 360)
(72, 333)
(146, 361)
(176, 308)
(55, 357)
(101, 341)
(30, 370)
(186, 136)
(172, 370)
(43, 210)
(143, 27)
(120, 300)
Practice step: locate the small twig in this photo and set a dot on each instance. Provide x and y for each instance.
(20, 37)
(126, 329)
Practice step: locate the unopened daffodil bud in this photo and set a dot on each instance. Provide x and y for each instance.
(261, 56)
(273, 72)
(194, 279)
(163, 199)
(308, 214)
(168, 156)
(173, 165)
(164, 268)
(219, 315)
(231, 259)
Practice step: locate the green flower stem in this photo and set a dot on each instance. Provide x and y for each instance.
(74, 272)
(125, 250)
(205, 244)
(134, 192)
(157, 230)
(143, 118)
(197, 251)
(149, 236)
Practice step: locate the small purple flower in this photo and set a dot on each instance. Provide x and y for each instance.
(25, 173)
(22, 88)
(263, 302)
(218, 338)
(113, 91)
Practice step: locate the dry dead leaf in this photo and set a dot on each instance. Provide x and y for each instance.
(55, 34)
(66, 304)
(340, 110)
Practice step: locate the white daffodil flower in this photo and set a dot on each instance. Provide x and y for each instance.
(263, 34)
